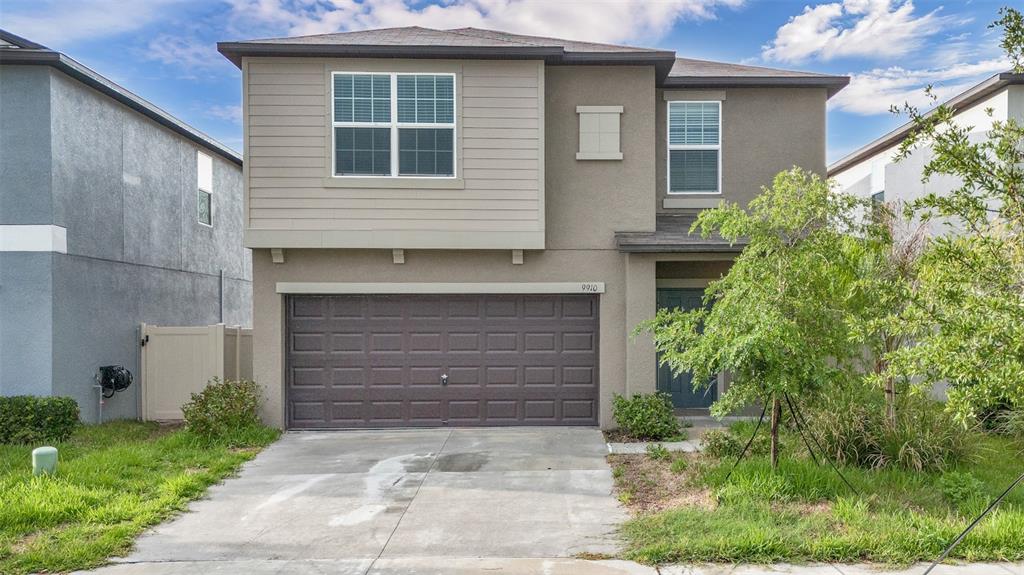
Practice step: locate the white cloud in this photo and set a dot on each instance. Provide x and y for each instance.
(854, 28)
(874, 91)
(225, 112)
(190, 53)
(602, 21)
(60, 23)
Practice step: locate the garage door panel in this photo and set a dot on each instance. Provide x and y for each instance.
(377, 360)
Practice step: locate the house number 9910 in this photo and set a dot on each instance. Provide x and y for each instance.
(590, 288)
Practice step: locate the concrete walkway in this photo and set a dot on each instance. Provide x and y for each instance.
(406, 501)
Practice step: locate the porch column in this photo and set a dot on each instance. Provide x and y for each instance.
(641, 304)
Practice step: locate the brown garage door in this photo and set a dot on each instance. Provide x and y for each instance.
(381, 360)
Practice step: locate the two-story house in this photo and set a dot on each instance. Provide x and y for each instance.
(872, 170)
(462, 227)
(112, 213)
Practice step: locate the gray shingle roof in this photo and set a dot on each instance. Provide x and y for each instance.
(672, 234)
(689, 73)
(456, 37)
(419, 42)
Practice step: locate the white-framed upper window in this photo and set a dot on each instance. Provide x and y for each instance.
(695, 147)
(393, 124)
(204, 188)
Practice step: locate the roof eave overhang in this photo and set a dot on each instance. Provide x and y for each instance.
(553, 55)
(654, 242)
(964, 100)
(832, 84)
(24, 56)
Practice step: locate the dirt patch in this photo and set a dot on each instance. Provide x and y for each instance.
(646, 485)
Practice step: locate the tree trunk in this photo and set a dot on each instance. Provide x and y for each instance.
(776, 416)
(890, 401)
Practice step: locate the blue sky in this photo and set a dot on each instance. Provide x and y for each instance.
(164, 50)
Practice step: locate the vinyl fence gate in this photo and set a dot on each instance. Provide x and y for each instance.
(180, 361)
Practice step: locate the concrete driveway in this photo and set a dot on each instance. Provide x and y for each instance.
(407, 501)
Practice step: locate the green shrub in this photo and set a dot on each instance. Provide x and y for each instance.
(960, 487)
(646, 416)
(30, 419)
(657, 452)
(225, 411)
(852, 429)
(719, 443)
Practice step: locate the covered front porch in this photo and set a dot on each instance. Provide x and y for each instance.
(669, 268)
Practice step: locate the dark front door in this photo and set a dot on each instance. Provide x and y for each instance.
(680, 387)
(432, 360)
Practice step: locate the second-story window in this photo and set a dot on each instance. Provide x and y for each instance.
(694, 147)
(204, 187)
(394, 125)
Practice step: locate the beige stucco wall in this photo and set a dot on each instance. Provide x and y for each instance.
(764, 131)
(589, 200)
(438, 266)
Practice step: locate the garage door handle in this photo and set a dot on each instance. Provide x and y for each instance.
(444, 379)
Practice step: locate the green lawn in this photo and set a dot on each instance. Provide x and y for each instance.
(113, 481)
(805, 513)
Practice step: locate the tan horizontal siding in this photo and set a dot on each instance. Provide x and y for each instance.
(286, 162)
(316, 131)
(500, 113)
(272, 151)
(499, 164)
(289, 79)
(287, 100)
(398, 224)
(476, 193)
(286, 110)
(392, 204)
(533, 123)
(499, 159)
(287, 89)
(523, 154)
(396, 214)
(489, 81)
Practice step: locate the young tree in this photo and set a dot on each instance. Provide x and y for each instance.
(776, 323)
(967, 317)
(885, 282)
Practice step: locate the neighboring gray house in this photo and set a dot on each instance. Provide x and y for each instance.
(462, 227)
(112, 213)
(871, 171)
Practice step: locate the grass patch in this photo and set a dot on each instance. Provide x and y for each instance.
(113, 481)
(804, 512)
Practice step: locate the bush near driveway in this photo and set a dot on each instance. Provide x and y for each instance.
(224, 410)
(646, 416)
(113, 481)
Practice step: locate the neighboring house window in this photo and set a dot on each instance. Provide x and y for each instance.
(878, 198)
(394, 125)
(694, 147)
(204, 186)
(599, 133)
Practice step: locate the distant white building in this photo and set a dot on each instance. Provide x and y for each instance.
(872, 171)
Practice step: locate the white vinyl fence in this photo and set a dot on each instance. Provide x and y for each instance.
(179, 361)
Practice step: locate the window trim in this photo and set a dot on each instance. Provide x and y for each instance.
(669, 147)
(394, 126)
(199, 188)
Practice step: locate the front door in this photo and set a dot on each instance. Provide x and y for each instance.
(680, 387)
